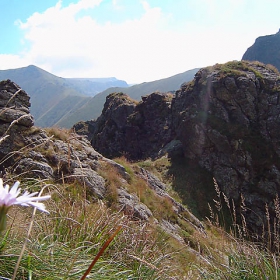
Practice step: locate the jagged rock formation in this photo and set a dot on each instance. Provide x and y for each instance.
(25, 149)
(14, 115)
(65, 157)
(226, 120)
(14, 105)
(266, 49)
(125, 126)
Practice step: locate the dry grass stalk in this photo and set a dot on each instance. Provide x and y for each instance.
(269, 239)
(107, 243)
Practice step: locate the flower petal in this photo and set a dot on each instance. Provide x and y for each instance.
(40, 206)
(14, 189)
(27, 199)
(9, 197)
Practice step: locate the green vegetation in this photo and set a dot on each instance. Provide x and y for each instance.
(63, 244)
(234, 68)
(92, 109)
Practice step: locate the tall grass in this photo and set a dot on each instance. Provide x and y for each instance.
(246, 259)
(63, 244)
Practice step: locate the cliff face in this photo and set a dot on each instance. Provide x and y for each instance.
(226, 120)
(266, 49)
(128, 127)
(63, 157)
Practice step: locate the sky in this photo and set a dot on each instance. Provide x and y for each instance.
(132, 40)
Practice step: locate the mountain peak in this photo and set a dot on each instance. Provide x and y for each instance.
(265, 49)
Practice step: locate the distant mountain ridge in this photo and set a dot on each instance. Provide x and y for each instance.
(92, 86)
(266, 49)
(58, 101)
(93, 107)
(52, 97)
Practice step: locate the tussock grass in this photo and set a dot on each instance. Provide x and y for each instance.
(59, 133)
(63, 244)
(245, 259)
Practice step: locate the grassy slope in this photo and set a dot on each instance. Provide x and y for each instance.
(46, 90)
(55, 95)
(63, 243)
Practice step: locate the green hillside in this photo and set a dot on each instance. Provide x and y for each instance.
(53, 97)
(62, 102)
(93, 108)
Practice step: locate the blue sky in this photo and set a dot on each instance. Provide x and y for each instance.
(133, 40)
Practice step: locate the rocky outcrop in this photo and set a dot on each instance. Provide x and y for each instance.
(29, 151)
(15, 117)
(14, 106)
(266, 50)
(63, 157)
(226, 120)
(129, 127)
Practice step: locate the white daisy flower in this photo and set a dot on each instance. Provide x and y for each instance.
(10, 197)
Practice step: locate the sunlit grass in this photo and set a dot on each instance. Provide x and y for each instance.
(63, 244)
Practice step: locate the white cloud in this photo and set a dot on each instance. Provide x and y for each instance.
(11, 61)
(69, 42)
(131, 50)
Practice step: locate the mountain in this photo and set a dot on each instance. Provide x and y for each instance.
(93, 107)
(93, 86)
(224, 124)
(53, 97)
(266, 49)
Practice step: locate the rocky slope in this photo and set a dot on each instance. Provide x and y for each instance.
(226, 121)
(62, 157)
(266, 49)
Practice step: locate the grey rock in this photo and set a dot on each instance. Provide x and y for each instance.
(92, 180)
(131, 206)
(36, 169)
(153, 181)
(172, 149)
(226, 120)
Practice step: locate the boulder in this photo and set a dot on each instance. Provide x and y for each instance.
(14, 106)
(131, 206)
(94, 182)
